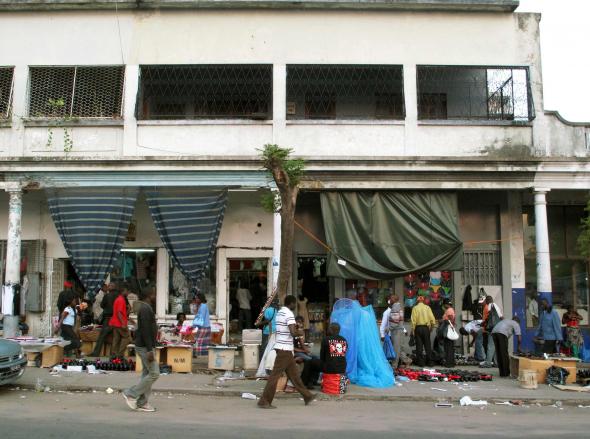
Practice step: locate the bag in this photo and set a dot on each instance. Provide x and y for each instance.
(412, 341)
(388, 349)
(493, 319)
(556, 375)
(452, 334)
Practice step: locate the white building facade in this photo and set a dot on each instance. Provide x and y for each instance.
(379, 96)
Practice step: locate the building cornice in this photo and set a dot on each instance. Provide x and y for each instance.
(400, 5)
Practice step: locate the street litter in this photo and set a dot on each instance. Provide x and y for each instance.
(466, 400)
(443, 404)
(584, 406)
(440, 390)
(109, 390)
(246, 395)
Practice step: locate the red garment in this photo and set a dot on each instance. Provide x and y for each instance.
(119, 306)
(571, 323)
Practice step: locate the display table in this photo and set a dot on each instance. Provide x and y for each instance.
(51, 350)
(540, 366)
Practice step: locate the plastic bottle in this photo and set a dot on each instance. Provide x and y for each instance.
(39, 387)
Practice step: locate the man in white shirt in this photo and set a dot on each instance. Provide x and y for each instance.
(285, 361)
(245, 316)
(474, 329)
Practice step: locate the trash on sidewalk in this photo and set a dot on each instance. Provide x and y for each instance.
(247, 395)
(109, 391)
(466, 401)
(440, 390)
(443, 405)
(584, 406)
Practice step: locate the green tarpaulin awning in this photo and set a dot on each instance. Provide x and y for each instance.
(382, 235)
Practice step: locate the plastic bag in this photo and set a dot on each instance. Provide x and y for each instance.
(388, 349)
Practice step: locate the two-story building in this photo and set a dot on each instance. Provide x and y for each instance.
(136, 125)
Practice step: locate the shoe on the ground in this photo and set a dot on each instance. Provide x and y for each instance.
(146, 408)
(269, 406)
(131, 402)
(310, 399)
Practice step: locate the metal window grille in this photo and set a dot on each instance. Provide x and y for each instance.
(6, 75)
(482, 267)
(90, 92)
(345, 92)
(205, 92)
(474, 93)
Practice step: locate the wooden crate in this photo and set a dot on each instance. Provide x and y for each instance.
(87, 347)
(52, 356)
(180, 358)
(540, 366)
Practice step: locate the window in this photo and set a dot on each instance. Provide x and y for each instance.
(181, 299)
(474, 93)
(6, 74)
(70, 92)
(569, 270)
(205, 92)
(345, 92)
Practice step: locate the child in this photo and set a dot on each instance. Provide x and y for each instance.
(67, 322)
(180, 317)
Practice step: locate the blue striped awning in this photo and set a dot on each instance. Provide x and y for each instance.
(188, 222)
(92, 224)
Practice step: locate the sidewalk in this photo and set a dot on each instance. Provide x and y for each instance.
(499, 390)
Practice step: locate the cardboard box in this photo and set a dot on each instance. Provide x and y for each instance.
(52, 356)
(32, 359)
(180, 358)
(139, 364)
(540, 366)
(87, 347)
(222, 357)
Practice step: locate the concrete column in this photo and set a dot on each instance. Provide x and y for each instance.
(19, 110)
(162, 282)
(411, 106)
(276, 249)
(544, 288)
(129, 119)
(279, 103)
(13, 249)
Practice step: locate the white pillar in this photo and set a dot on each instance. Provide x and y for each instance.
(544, 288)
(129, 119)
(162, 282)
(411, 106)
(276, 249)
(13, 250)
(279, 103)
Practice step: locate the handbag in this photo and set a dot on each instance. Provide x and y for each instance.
(452, 334)
(388, 349)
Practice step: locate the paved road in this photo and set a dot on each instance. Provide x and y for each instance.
(26, 414)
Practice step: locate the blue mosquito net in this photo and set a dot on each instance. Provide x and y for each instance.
(366, 364)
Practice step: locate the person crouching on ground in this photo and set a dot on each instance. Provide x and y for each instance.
(145, 346)
(285, 361)
(67, 322)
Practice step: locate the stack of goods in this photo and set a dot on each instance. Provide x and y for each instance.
(583, 376)
(116, 364)
(433, 375)
(465, 360)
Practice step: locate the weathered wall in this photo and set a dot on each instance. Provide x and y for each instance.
(279, 38)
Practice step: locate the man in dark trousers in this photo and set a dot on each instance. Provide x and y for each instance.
(422, 323)
(145, 346)
(107, 312)
(285, 361)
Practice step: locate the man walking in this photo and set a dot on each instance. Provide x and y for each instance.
(501, 333)
(285, 361)
(422, 323)
(145, 345)
(392, 323)
(107, 312)
(119, 323)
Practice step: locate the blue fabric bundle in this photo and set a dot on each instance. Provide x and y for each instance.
(366, 362)
(388, 349)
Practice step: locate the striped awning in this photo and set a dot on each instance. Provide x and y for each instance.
(92, 224)
(188, 222)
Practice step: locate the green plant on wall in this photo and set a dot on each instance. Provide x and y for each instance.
(56, 108)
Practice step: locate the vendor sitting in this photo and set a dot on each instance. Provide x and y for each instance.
(333, 360)
(180, 319)
(300, 350)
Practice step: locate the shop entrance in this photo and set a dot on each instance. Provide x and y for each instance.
(248, 288)
(313, 294)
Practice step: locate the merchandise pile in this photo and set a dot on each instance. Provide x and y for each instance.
(115, 364)
(453, 375)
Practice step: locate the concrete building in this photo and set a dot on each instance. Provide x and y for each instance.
(398, 95)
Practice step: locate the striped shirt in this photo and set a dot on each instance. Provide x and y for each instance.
(284, 339)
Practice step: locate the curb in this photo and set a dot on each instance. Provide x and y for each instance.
(320, 396)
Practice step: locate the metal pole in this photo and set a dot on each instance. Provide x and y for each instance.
(544, 288)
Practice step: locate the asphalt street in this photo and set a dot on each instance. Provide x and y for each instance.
(89, 415)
